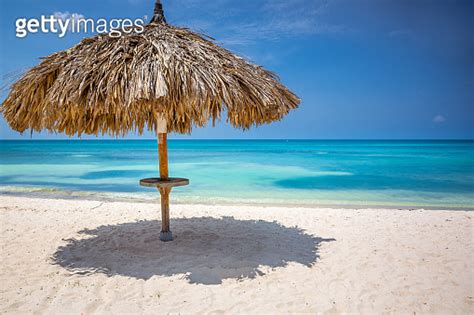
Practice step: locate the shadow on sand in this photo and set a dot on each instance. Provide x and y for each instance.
(207, 250)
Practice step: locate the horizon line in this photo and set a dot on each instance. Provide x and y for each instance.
(256, 139)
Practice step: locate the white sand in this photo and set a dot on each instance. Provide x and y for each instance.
(70, 256)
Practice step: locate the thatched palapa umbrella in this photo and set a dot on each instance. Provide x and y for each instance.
(165, 79)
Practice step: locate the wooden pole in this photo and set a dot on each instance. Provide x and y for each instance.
(165, 209)
(163, 155)
(165, 234)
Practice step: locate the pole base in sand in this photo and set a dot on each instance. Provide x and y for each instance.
(166, 236)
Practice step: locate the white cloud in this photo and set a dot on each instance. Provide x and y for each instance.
(399, 33)
(292, 18)
(73, 17)
(439, 119)
(242, 23)
(312, 7)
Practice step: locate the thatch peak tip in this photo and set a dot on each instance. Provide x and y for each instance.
(158, 13)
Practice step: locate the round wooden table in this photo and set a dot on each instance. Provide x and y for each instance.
(164, 183)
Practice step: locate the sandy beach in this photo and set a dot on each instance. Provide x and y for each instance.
(84, 256)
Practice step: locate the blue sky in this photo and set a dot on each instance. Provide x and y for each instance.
(363, 69)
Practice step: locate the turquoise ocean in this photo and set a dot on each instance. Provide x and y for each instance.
(432, 174)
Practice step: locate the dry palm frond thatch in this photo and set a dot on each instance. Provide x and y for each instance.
(114, 85)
